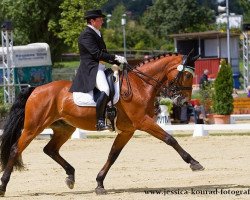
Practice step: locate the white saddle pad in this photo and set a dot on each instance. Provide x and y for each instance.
(87, 99)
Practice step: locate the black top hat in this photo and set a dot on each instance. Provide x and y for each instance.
(92, 14)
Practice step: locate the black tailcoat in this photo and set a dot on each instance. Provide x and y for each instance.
(92, 50)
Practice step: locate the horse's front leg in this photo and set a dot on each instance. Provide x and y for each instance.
(149, 125)
(120, 141)
(62, 133)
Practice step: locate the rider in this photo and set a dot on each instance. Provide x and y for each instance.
(90, 73)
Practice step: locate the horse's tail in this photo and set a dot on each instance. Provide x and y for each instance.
(13, 127)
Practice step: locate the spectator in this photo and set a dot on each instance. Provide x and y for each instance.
(204, 79)
(184, 114)
(198, 112)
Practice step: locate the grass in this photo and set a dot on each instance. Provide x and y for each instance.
(64, 70)
(67, 64)
(63, 74)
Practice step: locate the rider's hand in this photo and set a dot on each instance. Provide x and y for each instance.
(121, 59)
(116, 68)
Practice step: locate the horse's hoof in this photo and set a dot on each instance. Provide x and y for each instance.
(2, 191)
(70, 182)
(100, 191)
(196, 167)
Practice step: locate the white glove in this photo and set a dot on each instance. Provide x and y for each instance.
(121, 59)
(116, 68)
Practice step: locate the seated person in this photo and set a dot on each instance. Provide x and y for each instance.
(198, 112)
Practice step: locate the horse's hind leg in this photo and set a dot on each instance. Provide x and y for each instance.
(62, 133)
(120, 141)
(16, 150)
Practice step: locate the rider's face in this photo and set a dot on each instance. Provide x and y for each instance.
(97, 22)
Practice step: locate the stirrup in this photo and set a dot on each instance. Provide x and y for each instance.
(101, 126)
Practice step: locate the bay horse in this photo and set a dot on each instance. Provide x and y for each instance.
(51, 105)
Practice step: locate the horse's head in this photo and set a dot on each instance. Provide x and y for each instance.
(180, 79)
(172, 74)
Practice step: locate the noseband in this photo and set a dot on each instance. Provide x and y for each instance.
(174, 86)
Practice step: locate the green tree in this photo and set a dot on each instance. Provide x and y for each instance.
(212, 4)
(174, 16)
(54, 22)
(30, 20)
(116, 17)
(112, 39)
(223, 89)
(71, 20)
(245, 5)
(137, 36)
(1, 17)
(134, 7)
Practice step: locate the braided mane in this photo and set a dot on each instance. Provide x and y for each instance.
(155, 58)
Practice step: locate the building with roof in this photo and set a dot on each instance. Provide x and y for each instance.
(212, 46)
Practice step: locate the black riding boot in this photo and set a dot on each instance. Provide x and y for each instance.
(101, 104)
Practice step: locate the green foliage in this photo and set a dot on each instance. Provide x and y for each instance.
(136, 7)
(30, 20)
(112, 39)
(166, 45)
(4, 108)
(71, 21)
(167, 102)
(206, 95)
(66, 64)
(245, 5)
(137, 37)
(174, 16)
(60, 22)
(223, 89)
(57, 23)
(117, 13)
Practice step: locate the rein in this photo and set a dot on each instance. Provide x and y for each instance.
(172, 87)
(138, 73)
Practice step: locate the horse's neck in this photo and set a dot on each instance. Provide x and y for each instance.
(148, 78)
(155, 68)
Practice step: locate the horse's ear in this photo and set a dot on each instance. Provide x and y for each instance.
(187, 59)
(191, 60)
(191, 51)
(195, 58)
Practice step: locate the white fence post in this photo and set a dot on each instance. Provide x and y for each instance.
(79, 134)
(199, 130)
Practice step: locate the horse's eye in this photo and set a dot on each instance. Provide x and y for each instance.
(188, 76)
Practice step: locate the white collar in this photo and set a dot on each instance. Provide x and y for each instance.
(96, 30)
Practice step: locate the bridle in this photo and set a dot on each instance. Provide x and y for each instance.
(172, 89)
(175, 87)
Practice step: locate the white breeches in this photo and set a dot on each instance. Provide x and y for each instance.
(101, 81)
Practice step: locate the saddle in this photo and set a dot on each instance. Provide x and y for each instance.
(90, 98)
